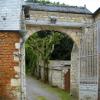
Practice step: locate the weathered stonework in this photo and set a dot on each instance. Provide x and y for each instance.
(74, 80)
(61, 17)
(71, 32)
(57, 70)
(35, 24)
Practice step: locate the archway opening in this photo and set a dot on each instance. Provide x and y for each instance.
(48, 57)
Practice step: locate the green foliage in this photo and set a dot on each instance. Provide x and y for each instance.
(46, 45)
(31, 59)
(39, 49)
(47, 2)
(62, 50)
(41, 98)
(63, 95)
(43, 47)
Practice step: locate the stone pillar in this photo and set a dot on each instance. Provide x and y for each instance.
(88, 85)
(98, 53)
(74, 81)
(22, 66)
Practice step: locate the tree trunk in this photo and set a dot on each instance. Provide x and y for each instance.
(46, 73)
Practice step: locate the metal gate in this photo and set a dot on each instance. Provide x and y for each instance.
(98, 60)
(88, 84)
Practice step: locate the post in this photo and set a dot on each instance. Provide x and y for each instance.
(98, 56)
(22, 66)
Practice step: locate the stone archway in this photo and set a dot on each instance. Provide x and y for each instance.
(12, 53)
(73, 33)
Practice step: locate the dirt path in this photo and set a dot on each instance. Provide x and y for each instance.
(36, 92)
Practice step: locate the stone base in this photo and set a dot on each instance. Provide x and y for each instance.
(88, 92)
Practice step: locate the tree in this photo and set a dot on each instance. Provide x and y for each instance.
(30, 0)
(31, 60)
(46, 2)
(43, 48)
(62, 50)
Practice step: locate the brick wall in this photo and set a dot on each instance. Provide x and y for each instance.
(9, 82)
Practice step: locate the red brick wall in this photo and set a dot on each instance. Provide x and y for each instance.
(7, 63)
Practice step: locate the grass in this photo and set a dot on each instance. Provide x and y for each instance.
(41, 98)
(63, 95)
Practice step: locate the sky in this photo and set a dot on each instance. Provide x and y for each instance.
(92, 5)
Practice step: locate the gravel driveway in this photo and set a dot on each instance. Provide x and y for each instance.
(36, 91)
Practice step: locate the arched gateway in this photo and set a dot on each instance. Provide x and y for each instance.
(18, 21)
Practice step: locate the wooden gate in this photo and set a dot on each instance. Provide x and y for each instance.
(67, 81)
